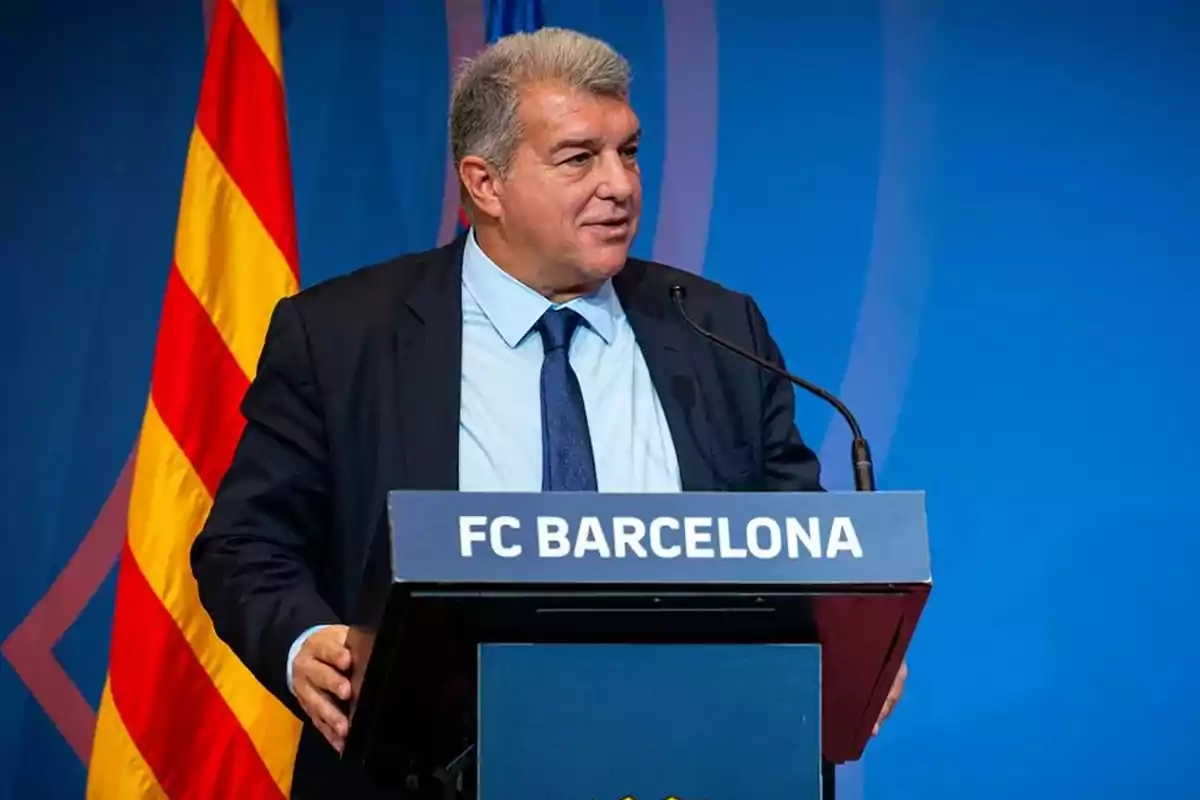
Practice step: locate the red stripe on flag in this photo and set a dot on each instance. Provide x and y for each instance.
(183, 728)
(197, 385)
(243, 115)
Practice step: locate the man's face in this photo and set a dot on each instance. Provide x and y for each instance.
(573, 194)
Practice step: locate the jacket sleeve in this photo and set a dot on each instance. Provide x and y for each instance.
(256, 559)
(789, 465)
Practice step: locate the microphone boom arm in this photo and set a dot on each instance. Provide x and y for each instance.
(860, 452)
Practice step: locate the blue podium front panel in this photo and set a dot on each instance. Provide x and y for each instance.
(649, 722)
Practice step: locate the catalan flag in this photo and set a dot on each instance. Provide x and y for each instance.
(180, 715)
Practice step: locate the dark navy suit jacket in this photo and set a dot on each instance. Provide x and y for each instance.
(357, 393)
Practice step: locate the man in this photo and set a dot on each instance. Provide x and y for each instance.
(530, 354)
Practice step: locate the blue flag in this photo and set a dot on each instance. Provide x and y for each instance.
(505, 17)
(512, 16)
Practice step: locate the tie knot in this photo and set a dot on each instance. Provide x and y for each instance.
(557, 326)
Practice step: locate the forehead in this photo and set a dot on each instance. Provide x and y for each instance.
(549, 112)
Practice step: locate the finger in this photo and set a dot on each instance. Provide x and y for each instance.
(884, 713)
(322, 711)
(331, 652)
(326, 678)
(334, 740)
(893, 696)
(330, 735)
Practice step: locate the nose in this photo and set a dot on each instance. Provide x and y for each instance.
(618, 178)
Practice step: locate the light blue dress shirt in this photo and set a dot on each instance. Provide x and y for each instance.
(500, 422)
(500, 425)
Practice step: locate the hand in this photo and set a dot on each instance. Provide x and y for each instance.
(893, 695)
(319, 676)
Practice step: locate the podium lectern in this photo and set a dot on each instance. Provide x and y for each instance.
(592, 646)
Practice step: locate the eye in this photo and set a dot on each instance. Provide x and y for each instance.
(579, 159)
(630, 152)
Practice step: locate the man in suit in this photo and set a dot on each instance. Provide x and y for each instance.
(530, 354)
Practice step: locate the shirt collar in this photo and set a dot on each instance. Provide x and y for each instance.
(513, 308)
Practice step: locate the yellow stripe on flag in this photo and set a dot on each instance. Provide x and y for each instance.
(124, 773)
(260, 18)
(167, 495)
(218, 231)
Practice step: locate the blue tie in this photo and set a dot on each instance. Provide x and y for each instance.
(567, 463)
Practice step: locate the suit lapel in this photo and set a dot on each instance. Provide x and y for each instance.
(668, 351)
(429, 349)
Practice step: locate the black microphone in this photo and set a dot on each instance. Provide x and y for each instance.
(860, 453)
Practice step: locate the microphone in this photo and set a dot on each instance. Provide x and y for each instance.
(860, 453)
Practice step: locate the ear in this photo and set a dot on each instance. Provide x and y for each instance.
(481, 184)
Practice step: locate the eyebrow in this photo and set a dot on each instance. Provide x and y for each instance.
(593, 143)
(586, 144)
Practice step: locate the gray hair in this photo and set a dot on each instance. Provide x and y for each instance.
(483, 104)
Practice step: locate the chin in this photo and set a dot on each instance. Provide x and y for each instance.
(604, 262)
(601, 270)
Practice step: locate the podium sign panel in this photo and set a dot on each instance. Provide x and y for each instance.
(684, 538)
(573, 643)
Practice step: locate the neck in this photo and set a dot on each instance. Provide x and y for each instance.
(529, 268)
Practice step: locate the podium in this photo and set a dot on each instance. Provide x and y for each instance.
(598, 646)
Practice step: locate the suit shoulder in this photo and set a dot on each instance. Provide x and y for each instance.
(364, 288)
(373, 294)
(700, 290)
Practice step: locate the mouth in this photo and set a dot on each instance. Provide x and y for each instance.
(612, 227)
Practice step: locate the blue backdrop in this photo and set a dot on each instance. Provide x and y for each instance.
(977, 221)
